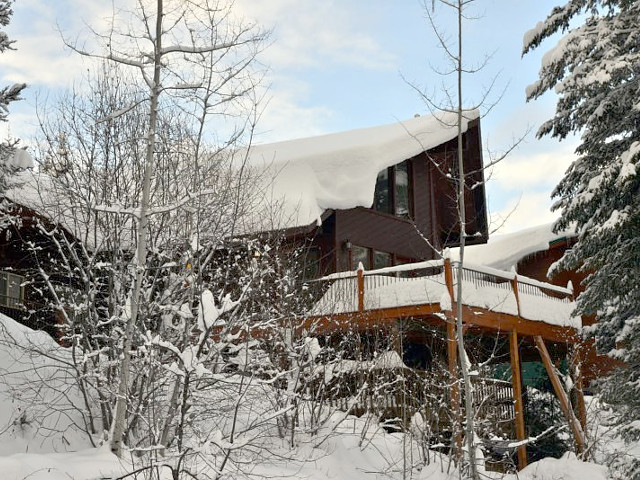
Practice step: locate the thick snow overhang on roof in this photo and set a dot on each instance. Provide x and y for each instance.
(47, 198)
(503, 252)
(307, 176)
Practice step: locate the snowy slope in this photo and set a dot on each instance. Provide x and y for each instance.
(346, 447)
(37, 394)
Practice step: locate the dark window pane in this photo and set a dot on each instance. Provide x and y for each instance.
(3, 288)
(360, 255)
(382, 197)
(311, 263)
(402, 190)
(381, 259)
(13, 288)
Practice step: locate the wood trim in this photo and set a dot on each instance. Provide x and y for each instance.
(516, 382)
(475, 318)
(576, 429)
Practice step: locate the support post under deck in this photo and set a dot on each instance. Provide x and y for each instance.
(576, 428)
(452, 357)
(516, 382)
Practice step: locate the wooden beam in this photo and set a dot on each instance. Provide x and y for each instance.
(504, 322)
(516, 382)
(576, 429)
(576, 369)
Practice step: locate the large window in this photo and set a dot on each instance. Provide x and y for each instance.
(370, 258)
(11, 289)
(393, 193)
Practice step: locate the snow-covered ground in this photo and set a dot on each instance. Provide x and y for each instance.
(40, 437)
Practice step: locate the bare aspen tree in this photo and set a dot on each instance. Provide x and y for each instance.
(170, 41)
(454, 104)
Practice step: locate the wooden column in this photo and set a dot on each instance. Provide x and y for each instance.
(360, 273)
(452, 357)
(576, 370)
(516, 382)
(576, 429)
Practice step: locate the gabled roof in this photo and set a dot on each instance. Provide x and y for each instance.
(307, 176)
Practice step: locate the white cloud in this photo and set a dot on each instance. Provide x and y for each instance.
(308, 33)
(533, 170)
(286, 117)
(41, 57)
(529, 210)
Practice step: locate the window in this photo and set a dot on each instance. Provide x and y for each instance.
(360, 255)
(402, 203)
(381, 259)
(393, 191)
(370, 259)
(382, 202)
(309, 263)
(11, 289)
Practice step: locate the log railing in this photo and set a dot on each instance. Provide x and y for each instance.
(425, 282)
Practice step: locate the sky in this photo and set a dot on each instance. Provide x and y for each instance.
(336, 65)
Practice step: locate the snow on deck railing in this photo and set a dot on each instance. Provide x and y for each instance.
(407, 267)
(424, 283)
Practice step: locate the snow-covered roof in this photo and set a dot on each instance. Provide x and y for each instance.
(503, 252)
(307, 176)
(48, 198)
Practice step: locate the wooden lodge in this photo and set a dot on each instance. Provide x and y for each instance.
(409, 212)
(402, 295)
(374, 210)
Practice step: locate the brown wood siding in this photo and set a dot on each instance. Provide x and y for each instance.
(422, 196)
(476, 200)
(443, 161)
(379, 231)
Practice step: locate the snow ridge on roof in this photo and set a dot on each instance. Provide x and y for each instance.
(338, 171)
(503, 252)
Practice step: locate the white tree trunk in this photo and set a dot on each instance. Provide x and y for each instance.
(468, 389)
(139, 262)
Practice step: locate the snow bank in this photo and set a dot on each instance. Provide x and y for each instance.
(86, 464)
(566, 468)
(503, 252)
(307, 176)
(37, 393)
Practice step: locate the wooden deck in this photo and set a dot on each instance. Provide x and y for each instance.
(493, 302)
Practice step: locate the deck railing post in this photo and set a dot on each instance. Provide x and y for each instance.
(514, 286)
(360, 273)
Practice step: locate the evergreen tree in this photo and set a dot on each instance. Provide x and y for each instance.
(595, 70)
(9, 160)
